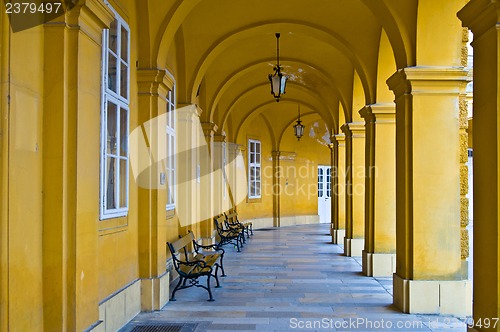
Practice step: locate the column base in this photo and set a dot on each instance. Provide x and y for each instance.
(378, 265)
(443, 297)
(353, 247)
(338, 236)
(155, 292)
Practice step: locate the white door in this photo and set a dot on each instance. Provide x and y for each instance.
(324, 194)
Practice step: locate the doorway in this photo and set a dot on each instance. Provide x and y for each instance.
(324, 194)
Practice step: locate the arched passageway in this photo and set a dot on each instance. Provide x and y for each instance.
(127, 123)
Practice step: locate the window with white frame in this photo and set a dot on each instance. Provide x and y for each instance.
(171, 151)
(115, 83)
(254, 166)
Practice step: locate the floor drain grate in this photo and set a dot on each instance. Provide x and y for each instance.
(162, 328)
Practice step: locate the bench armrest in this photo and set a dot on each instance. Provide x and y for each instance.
(210, 246)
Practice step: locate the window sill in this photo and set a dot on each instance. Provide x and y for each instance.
(254, 200)
(170, 213)
(113, 225)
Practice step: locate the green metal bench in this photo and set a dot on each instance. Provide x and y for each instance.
(232, 221)
(204, 262)
(228, 235)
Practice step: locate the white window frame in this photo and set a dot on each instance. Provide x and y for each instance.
(171, 146)
(122, 104)
(255, 166)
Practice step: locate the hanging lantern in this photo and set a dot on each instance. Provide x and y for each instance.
(278, 80)
(298, 128)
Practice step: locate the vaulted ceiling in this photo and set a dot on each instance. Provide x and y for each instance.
(337, 53)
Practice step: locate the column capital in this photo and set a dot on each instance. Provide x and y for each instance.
(187, 113)
(429, 80)
(220, 137)
(209, 129)
(380, 113)
(354, 129)
(480, 15)
(234, 147)
(152, 81)
(283, 155)
(340, 138)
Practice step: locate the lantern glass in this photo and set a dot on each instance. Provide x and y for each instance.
(283, 83)
(275, 84)
(299, 129)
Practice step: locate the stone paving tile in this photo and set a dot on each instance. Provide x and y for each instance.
(289, 279)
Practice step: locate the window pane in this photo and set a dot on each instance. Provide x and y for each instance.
(257, 174)
(252, 158)
(257, 158)
(168, 150)
(257, 147)
(123, 182)
(112, 72)
(111, 129)
(124, 44)
(257, 189)
(123, 132)
(110, 183)
(113, 37)
(124, 80)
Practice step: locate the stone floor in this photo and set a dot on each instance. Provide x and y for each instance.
(293, 279)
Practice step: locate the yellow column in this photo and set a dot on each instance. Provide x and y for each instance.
(209, 199)
(187, 166)
(355, 192)
(481, 17)
(219, 149)
(71, 122)
(4, 172)
(379, 255)
(338, 189)
(153, 85)
(276, 189)
(231, 168)
(428, 275)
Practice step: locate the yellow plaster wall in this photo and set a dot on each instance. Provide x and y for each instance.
(300, 196)
(386, 67)
(299, 168)
(439, 37)
(258, 208)
(358, 100)
(24, 219)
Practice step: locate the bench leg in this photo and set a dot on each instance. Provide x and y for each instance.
(216, 277)
(172, 298)
(222, 266)
(211, 299)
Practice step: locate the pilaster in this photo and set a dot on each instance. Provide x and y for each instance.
(355, 188)
(428, 250)
(276, 188)
(189, 133)
(208, 156)
(482, 17)
(153, 85)
(219, 159)
(337, 229)
(70, 122)
(233, 151)
(379, 254)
